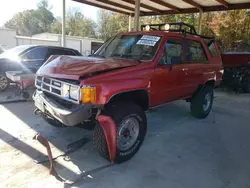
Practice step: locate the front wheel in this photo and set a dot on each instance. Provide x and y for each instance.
(201, 103)
(131, 125)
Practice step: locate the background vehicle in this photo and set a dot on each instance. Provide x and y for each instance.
(29, 58)
(131, 73)
(237, 70)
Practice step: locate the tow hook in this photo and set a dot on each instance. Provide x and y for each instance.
(37, 112)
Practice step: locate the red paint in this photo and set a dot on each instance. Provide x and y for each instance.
(236, 59)
(163, 85)
(73, 67)
(109, 128)
(42, 140)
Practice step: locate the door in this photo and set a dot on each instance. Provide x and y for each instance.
(34, 58)
(196, 62)
(170, 78)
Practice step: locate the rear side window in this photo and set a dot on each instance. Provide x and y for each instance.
(212, 49)
(38, 53)
(194, 51)
(61, 52)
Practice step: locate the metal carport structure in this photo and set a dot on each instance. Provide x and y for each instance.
(137, 8)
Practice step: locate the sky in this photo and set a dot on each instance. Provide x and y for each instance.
(11, 7)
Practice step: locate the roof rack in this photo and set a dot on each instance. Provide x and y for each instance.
(175, 27)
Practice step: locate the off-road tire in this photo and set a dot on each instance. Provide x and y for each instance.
(197, 102)
(4, 75)
(119, 111)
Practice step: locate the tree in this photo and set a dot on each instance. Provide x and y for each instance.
(78, 25)
(56, 26)
(111, 23)
(30, 22)
(24, 23)
(44, 15)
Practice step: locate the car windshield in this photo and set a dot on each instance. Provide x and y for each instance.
(14, 52)
(139, 47)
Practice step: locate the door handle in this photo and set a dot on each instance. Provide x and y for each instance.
(185, 69)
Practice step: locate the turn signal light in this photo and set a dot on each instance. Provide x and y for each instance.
(88, 95)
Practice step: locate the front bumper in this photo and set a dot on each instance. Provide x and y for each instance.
(69, 117)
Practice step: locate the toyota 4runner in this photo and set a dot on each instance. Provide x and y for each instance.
(131, 73)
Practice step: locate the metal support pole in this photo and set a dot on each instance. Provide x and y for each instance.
(129, 23)
(63, 41)
(200, 22)
(137, 15)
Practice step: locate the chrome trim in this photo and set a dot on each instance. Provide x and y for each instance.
(58, 88)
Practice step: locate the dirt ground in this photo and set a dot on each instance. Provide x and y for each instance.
(179, 151)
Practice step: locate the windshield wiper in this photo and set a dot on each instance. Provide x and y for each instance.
(97, 55)
(126, 56)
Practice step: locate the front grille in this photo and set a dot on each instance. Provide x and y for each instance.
(54, 87)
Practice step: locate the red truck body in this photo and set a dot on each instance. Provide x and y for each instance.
(113, 76)
(131, 73)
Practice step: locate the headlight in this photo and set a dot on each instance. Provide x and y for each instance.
(89, 95)
(70, 92)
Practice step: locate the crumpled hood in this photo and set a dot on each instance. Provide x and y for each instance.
(73, 67)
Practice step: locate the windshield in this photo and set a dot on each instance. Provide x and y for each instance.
(139, 47)
(14, 52)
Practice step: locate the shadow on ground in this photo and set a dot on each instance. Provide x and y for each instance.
(179, 150)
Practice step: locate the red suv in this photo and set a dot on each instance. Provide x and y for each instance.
(131, 73)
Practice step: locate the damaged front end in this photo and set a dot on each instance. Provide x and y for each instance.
(61, 102)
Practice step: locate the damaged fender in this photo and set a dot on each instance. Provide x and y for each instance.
(109, 128)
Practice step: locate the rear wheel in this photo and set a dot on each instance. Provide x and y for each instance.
(4, 82)
(201, 103)
(131, 125)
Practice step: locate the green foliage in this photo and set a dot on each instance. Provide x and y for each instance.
(232, 28)
(44, 16)
(110, 24)
(56, 26)
(24, 23)
(78, 25)
(31, 22)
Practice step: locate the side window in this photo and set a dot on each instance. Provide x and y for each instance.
(69, 52)
(194, 51)
(172, 52)
(212, 49)
(55, 51)
(38, 53)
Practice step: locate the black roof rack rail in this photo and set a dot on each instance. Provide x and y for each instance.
(176, 27)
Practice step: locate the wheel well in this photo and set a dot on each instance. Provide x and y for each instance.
(200, 87)
(210, 83)
(139, 97)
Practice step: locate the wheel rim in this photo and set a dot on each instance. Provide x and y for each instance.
(128, 133)
(207, 101)
(3, 82)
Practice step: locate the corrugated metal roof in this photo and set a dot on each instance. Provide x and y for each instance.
(158, 7)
